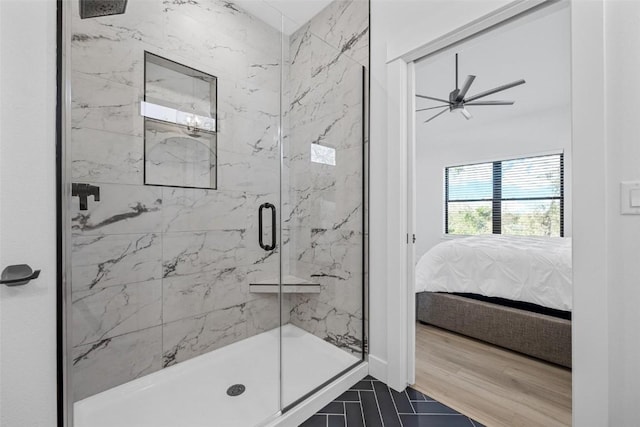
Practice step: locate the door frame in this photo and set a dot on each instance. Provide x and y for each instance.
(590, 364)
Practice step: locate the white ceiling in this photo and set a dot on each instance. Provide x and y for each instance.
(534, 48)
(295, 12)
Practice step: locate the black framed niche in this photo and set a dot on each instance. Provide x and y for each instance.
(180, 126)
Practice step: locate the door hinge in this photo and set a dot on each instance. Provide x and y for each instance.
(414, 238)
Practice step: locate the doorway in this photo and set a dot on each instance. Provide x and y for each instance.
(489, 187)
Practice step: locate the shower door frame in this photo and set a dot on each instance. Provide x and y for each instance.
(305, 405)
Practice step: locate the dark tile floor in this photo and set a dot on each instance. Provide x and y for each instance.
(370, 403)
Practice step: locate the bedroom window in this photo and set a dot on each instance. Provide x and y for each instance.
(522, 197)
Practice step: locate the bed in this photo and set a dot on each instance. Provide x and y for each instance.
(511, 291)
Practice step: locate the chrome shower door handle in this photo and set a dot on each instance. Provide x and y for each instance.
(272, 246)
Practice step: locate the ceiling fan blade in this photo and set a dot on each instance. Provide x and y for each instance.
(495, 90)
(465, 88)
(432, 98)
(467, 115)
(490, 103)
(432, 108)
(433, 117)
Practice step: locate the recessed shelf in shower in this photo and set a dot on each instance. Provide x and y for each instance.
(179, 110)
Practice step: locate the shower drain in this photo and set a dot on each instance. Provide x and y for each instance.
(236, 390)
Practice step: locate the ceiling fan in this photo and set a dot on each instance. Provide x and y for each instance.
(457, 100)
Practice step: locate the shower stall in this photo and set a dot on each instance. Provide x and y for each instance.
(215, 185)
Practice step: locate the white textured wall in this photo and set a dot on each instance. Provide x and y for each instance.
(622, 34)
(27, 211)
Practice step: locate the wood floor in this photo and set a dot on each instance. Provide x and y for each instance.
(497, 387)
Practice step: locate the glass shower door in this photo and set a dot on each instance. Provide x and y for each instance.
(174, 167)
(324, 125)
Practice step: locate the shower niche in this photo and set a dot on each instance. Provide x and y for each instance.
(179, 111)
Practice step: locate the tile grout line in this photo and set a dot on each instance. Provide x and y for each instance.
(409, 399)
(413, 407)
(434, 414)
(344, 413)
(420, 415)
(375, 396)
(394, 405)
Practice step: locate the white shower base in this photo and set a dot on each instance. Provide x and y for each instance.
(193, 393)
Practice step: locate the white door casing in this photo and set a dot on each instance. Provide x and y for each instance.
(590, 364)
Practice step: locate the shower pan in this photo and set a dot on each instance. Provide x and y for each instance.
(215, 262)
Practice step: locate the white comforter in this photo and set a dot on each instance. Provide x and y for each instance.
(528, 269)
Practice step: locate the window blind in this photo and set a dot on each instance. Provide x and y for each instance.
(523, 196)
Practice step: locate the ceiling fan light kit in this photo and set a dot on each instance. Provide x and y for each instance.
(458, 100)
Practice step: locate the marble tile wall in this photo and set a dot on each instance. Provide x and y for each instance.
(160, 274)
(324, 219)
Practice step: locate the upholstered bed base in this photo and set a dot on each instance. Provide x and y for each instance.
(539, 335)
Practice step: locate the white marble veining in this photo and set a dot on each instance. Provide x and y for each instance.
(186, 209)
(338, 327)
(241, 135)
(186, 296)
(194, 252)
(324, 211)
(105, 105)
(121, 209)
(114, 361)
(106, 157)
(344, 24)
(91, 44)
(239, 172)
(193, 336)
(108, 312)
(263, 314)
(100, 261)
(161, 275)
